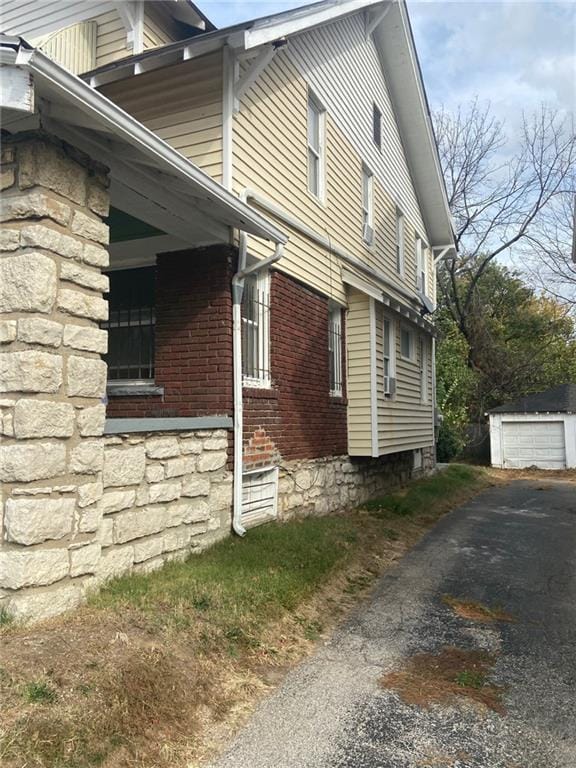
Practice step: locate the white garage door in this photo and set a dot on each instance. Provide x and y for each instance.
(534, 443)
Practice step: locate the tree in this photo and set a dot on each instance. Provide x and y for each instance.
(497, 194)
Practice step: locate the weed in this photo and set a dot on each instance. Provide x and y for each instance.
(5, 618)
(469, 678)
(39, 692)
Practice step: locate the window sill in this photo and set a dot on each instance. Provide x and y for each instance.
(134, 390)
(265, 393)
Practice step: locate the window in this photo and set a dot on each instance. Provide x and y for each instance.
(389, 358)
(406, 344)
(130, 325)
(256, 330)
(423, 371)
(377, 126)
(420, 266)
(367, 206)
(400, 243)
(335, 351)
(316, 142)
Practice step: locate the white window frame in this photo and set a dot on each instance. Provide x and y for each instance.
(367, 206)
(400, 250)
(389, 354)
(262, 364)
(423, 351)
(316, 155)
(259, 485)
(421, 281)
(335, 351)
(410, 332)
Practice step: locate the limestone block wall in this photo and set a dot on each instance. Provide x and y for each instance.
(335, 484)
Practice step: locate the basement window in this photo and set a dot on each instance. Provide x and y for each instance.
(259, 496)
(131, 324)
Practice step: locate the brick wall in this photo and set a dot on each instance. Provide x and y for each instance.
(297, 418)
(193, 337)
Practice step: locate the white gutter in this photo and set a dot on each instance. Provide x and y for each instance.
(237, 291)
(117, 121)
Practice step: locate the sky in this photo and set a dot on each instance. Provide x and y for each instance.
(514, 54)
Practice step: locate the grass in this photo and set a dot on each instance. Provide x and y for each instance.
(156, 662)
(430, 495)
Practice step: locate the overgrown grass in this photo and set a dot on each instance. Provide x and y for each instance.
(430, 495)
(239, 584)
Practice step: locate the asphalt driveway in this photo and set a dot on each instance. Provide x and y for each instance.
(513, 547)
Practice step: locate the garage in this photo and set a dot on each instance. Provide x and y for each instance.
(536, 431)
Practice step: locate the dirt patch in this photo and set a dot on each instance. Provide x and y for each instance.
(443, 760)
(470, 609)
(446, 676)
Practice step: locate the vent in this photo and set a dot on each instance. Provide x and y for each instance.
(73, 47)
(259, 496)
(368, 234)
(389, 385)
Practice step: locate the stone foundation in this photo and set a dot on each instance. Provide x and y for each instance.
(335, 484)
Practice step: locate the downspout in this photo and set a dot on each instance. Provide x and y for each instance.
(237, 291)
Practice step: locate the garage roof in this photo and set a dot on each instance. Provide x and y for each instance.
(561, 399)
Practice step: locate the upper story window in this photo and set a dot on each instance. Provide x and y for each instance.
(335, 351)
(367, 206)
(423, 371)
(130, 324)
(400, 242)
(377, 126)
(316, 146)
(420, 266)
(407, 343)
(256, 330)
(389, 358)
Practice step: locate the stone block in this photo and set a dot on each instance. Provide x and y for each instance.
(32, 521)
(90, 519)
(31, 461)
(86, 338)
(210, 462)
(88, 278)
(27, 283)
(221, 495)
(216, 444)
(32, 567)
(7, 331)
(196, 486)
(85, 559)
(89, 493)
(89, 227)
(82, 304)
(154, 473)
(163, 492)
(114, 561)
(87, 458)
(148, 548)
(124, 466)
(43, 164)
(177, 512)
(176, 538)
(9, 239)
(191, 445)
(30, 371)
(41, 236)
(105, 534)
(98, 198)
(91, 420)
(136, 523)
(114, 501)
(46, 602)
(95, 255)
(36, 330)
(86, 377)
(179, 467)
(197, 511)
(34, 205)
(43, 418)
(162, 447)
(7, 178)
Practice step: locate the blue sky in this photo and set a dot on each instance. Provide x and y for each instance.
(515, 54)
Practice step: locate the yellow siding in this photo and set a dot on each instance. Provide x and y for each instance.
(358, 381)
(404, 421)
(73, 47)
(111, 39)
(183, 105)
(159, 27)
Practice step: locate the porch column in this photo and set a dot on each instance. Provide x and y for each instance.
(52, 379)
